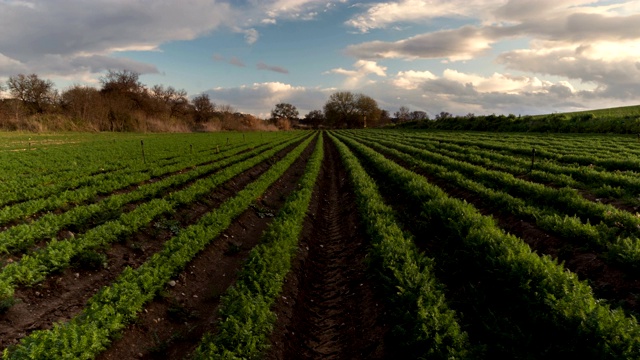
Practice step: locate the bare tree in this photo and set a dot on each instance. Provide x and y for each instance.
(33, 92)
(204, 108)
(403, 114)
(367, 110)
(123, 81)
(418, 116)
(314, 118)
(284, 111)
(345, 109)
(85, 103)
(340, 109)
(174, 102)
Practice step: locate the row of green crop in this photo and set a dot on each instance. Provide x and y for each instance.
(246, 319)
(623, 250)
(587, 157)
(565, 200)
(602, 183)
(108, 312)
(101, 185)
(424, 324)
(21, 237)
(17, 189)
(557, 144)
(516, 303)
(33, 268)
(545, 170)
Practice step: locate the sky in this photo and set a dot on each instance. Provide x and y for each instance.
(460, 56)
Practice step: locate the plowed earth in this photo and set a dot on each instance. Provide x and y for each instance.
(329, 308)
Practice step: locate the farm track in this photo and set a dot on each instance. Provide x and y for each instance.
(609, 282)
(173, 324)
(329, 307)
(62, 296)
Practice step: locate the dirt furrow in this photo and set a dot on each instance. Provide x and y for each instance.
(609, 281)
(172, 325)
(329, 307)
(63, 295)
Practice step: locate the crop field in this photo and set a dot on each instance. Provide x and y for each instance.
(349, 244)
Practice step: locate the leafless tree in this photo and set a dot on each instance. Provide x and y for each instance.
(35, 93)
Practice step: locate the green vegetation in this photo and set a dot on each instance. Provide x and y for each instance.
(435, 207)
(113, 307)
(246, 318)
(516, 291)
(625, 120)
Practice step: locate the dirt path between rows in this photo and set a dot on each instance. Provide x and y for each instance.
(329, 307)
(63, 295)
(172, 325)
(608, 280)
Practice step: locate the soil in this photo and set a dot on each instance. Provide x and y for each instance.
(329, 307)
(609, 281)
(63, 295)
(172, 325)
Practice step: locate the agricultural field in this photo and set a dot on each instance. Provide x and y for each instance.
(350, 244)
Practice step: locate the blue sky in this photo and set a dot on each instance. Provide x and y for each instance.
(460, 56)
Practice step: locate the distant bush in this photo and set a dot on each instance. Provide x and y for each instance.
(556, 123)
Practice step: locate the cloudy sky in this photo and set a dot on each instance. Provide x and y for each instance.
(460, 56)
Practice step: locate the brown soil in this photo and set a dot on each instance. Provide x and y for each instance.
(172, 325)
(609, 281)
(62, 296)
(329, 307)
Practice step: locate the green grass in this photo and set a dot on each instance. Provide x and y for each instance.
(608, 112)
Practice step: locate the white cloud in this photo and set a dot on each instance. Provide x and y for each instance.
(363, 68)
(411, 79)
(251, 36)
(382, 15)
(293, 9)
(75, 27)
(458, 44)
(503, 83)
(260, 98)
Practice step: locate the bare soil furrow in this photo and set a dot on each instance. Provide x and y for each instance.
(63, 295)
(329, 307)
(173, 324)
(609, 281)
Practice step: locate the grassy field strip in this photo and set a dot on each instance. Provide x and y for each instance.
(105, 185)
(114, 306)
(565, 200)
(246, 319)
(33, 268)
(625, 251)
(568, 319)
(21, 237)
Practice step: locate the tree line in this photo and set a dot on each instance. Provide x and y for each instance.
(123, 103)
